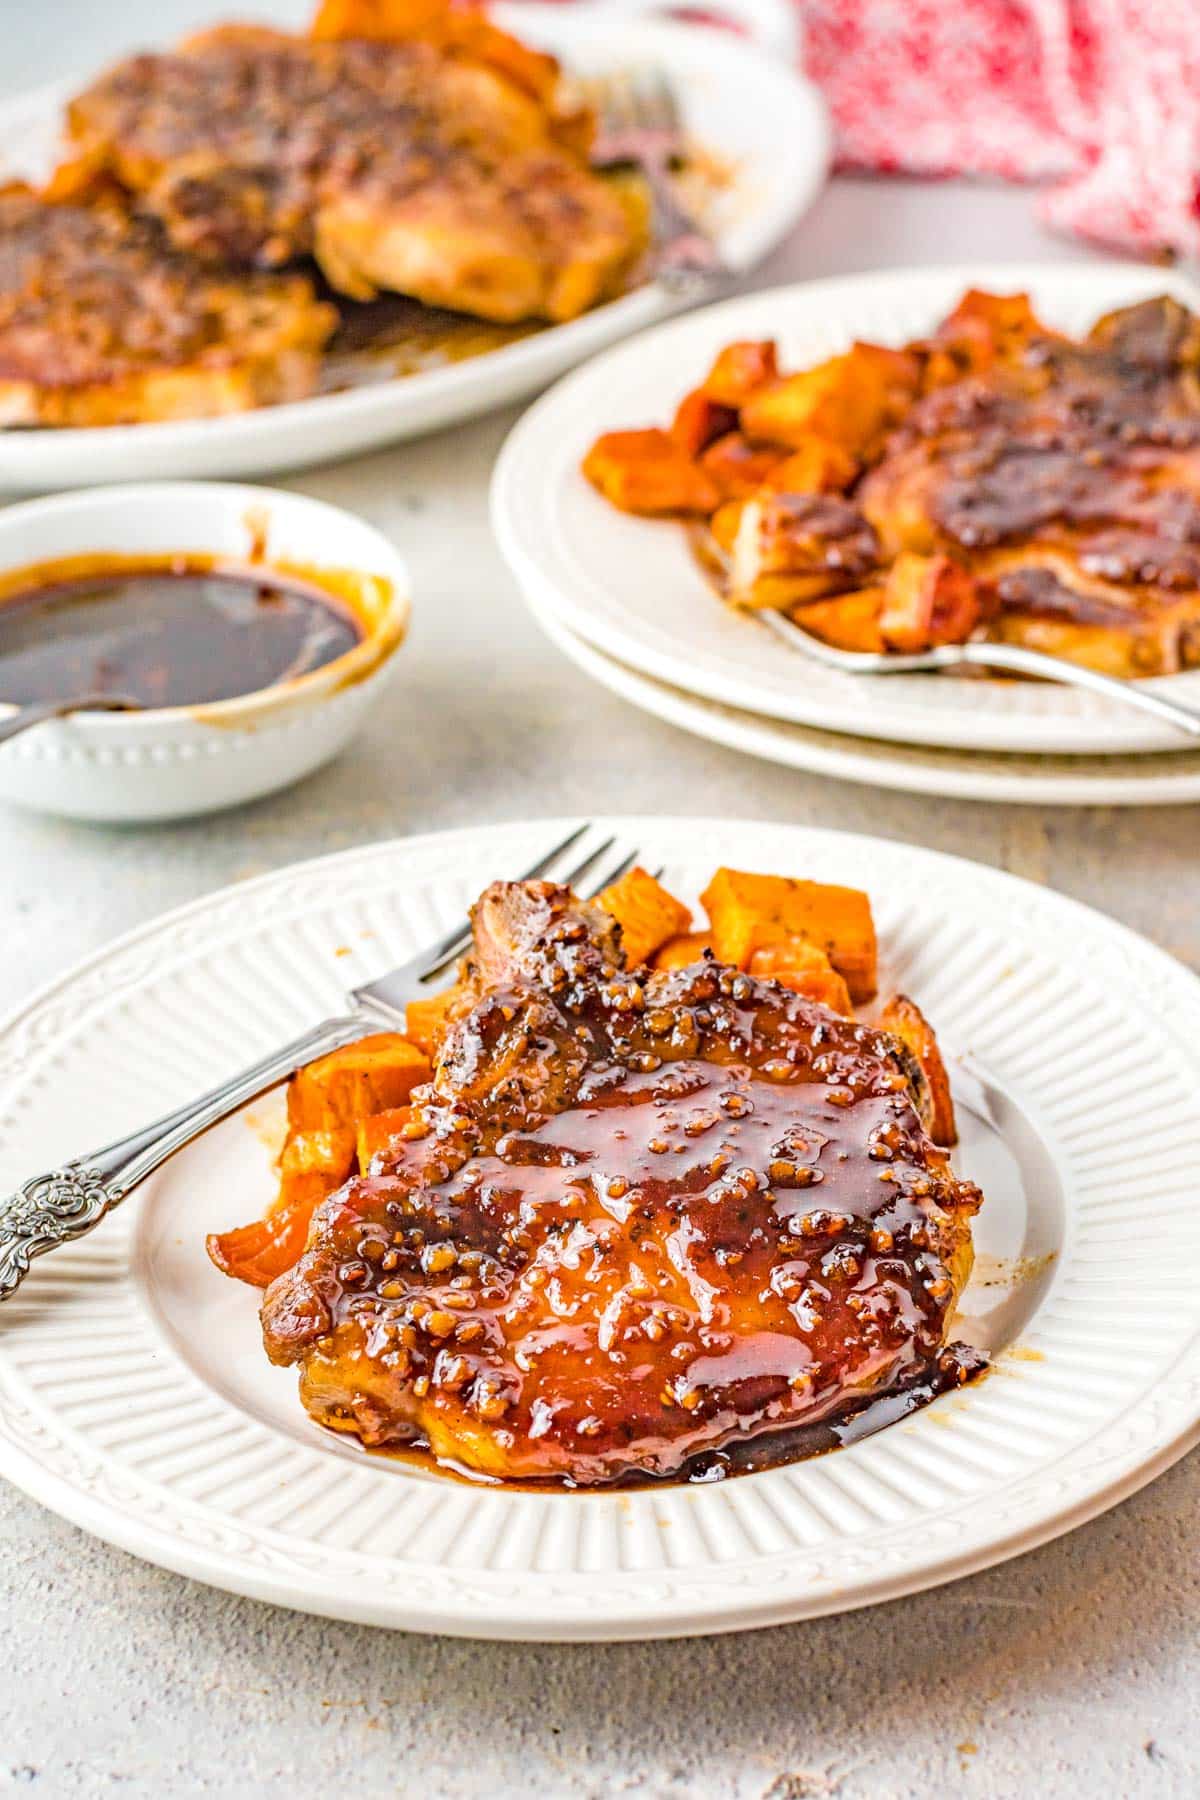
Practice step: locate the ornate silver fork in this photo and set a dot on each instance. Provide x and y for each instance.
(53, 1209)
(1014, 658)
(640, 127)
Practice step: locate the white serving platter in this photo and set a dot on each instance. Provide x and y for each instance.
(711, 71)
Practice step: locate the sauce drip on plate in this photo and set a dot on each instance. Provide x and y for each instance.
(182, 634)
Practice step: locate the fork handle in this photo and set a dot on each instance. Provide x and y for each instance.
(53, 1209)
(1020, 661)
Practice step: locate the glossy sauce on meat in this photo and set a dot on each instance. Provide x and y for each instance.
(174, 635)
(627, 1226)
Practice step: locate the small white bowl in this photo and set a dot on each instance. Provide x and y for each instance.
(170, 762)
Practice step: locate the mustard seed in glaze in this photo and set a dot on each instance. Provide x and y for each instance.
(651, 1279)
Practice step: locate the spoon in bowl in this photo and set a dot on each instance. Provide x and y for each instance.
(1013, 658)
(27, 716)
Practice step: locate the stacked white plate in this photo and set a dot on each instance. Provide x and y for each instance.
(626, 600)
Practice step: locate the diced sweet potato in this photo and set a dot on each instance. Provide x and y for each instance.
(680, 952)
(646, 472)
(463, 28)
(751, 912)
(905, 1020)
(315, 1160)
(740, 369)
(258, 1252)
(850, 399)
(817, 466)
(699, 420)
(377, 1132)
(329, 1152)
(726, 522)
(851, 621)
(928, 600)
(367, 1077)
(426, 1019)
(982, 330)
(804, 968)
(792, 548)
(738, 467)
(647, 914)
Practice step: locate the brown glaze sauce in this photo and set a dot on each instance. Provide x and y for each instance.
(958, 1365)
(1080, 437)
(180, 632)
(692, 1252)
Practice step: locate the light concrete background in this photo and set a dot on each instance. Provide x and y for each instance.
(1072, 1671)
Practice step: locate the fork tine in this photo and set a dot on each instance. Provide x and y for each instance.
(655, 102)
(812, 647)
(551, 856)
(459, 936)
(581, 868)
(619, 101)
(614, 874)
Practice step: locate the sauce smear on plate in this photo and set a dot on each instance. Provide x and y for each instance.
(179, 634)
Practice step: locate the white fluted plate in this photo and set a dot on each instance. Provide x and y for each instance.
(633, 589)
(135, 1399)
(1169, 779)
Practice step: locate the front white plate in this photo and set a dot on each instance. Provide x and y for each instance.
(1170, 779)
(633, 589)
(712, 72)
(135, 1399)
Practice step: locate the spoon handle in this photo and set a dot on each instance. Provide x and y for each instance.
(1056, 668)
(28, 716)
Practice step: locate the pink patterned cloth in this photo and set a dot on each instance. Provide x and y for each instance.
(1101, 98)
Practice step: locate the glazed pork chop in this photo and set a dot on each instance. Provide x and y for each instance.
(635, 1217)
(102, 323)
(398, 165)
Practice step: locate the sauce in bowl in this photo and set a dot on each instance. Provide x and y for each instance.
(182, 631)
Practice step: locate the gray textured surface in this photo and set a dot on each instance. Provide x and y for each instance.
(1071, 1671)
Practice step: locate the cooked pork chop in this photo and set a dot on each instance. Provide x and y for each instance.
(102, 323)
(634, 1218)
(398, 165)
(1067, 475)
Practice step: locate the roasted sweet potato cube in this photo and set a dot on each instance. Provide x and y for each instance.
(426, 1020)
(377, 1132)
(849, 622)
(258, 1252)
(737, 467)
(466, 29)
(682, 951)
(851, 399)
(699, 420)
(799, 547)
(367, 1077)
(751, 912)
(725, 522)
(647, 914)
(817, 466)
(740, 369)
(905, 1020)
(804, 967)
(982, 330)
(321, 1152)
(928, 600)
(646, 472)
